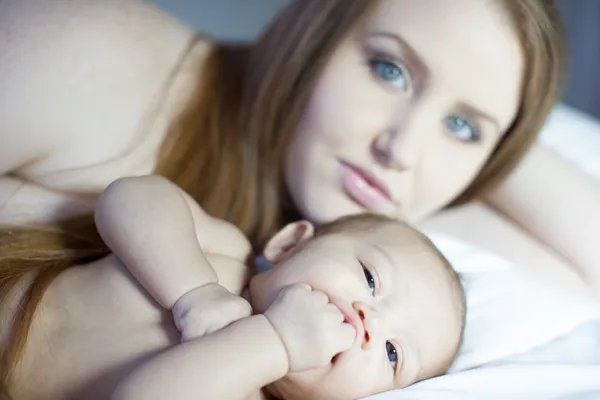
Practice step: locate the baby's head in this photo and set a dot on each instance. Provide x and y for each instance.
(406, 294)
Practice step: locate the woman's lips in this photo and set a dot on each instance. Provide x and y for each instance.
(366, 189)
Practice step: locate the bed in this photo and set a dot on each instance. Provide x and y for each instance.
(524, 338)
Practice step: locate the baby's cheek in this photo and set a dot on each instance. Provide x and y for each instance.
(358, 378)
(333, 280)
(285, 277)
(318, 281)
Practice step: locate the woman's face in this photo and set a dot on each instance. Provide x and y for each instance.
(407, 111)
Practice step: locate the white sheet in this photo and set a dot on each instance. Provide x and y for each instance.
(523, 340)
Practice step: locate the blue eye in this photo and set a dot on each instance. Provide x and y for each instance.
(390, 72)
(369, 278)
(462, 129)
(392, 354)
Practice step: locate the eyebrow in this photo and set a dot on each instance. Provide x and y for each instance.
(405, 48)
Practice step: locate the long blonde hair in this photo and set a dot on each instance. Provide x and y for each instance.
(227, 146)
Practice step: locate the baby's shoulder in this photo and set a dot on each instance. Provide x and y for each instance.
(225, 239)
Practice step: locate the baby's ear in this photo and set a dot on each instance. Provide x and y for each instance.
(287, 239)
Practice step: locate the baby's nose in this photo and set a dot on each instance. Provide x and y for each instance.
(369, 321)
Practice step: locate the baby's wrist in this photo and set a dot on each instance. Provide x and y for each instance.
(191, 291)
(278, 342)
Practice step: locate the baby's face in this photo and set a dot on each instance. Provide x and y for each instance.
(398, 292)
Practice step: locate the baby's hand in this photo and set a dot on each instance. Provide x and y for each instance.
(312, 329)
(208, 309)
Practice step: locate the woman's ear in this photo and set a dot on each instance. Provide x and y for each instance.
(288, 239)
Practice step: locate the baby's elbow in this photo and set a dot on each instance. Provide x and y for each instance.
(129, 190)
(117, 198)
(134, 185)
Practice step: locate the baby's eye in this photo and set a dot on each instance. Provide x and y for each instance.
(369, 278)
(392, 354)
(390, 72)
(462, 129)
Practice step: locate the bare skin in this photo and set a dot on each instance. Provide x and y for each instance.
(121, 308)
(83, 131)
(75, 138)
(66, 137)
(131, 323)
(127, 328)
(192, 266)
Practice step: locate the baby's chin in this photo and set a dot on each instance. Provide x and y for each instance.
(303, 385)
(312, 385)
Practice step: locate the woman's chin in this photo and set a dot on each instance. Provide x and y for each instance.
(329, 208)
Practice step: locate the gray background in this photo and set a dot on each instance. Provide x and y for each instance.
(244, 19)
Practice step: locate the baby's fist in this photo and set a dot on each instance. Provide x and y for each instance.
(311, 328)
(207, 309)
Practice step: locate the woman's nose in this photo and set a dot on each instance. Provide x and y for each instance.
(401, 145)
(370, 321)
(396, 150)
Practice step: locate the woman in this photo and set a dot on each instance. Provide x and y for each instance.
(392, 109)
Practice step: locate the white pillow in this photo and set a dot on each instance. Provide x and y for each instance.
(508, 312)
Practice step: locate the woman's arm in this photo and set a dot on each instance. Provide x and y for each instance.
(233, 363)
(559, 205)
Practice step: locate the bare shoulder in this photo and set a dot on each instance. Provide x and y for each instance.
(223, 238)
(76, 71)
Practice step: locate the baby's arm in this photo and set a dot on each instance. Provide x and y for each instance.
(233, 363)
(149, 225)
(156, 229)
(300, 331)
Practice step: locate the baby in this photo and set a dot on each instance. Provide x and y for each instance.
(356, 307)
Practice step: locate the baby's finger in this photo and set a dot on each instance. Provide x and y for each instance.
(320, 296)
(304, 286)
(242, 309)
(191, 334)
(346, 335)
(335, 312)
